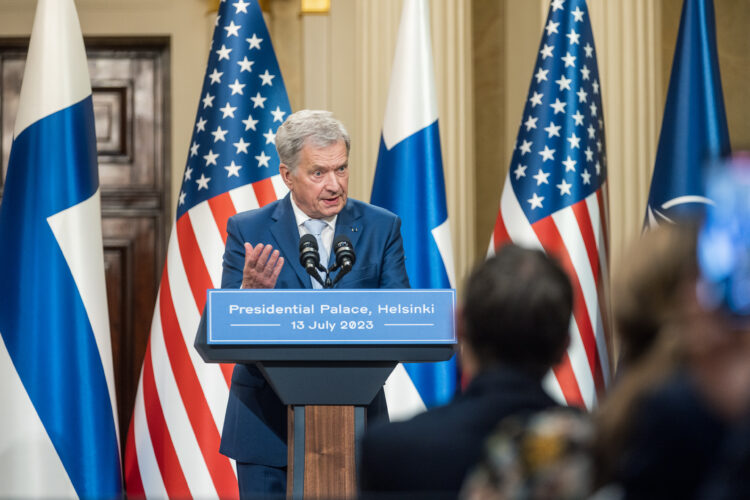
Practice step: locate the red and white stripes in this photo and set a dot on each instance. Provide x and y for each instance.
(173, 442)
(576, 236)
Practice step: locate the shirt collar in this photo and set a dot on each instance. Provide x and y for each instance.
(301, 217)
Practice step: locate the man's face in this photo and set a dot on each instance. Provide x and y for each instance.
(320, 183)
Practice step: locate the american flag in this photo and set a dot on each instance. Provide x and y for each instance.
(555, 194)
(173, 441)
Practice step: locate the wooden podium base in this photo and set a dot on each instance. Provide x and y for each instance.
(322, 450)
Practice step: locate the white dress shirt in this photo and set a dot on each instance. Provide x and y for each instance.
(326, 236)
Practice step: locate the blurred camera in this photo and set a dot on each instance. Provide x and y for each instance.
(724, 238)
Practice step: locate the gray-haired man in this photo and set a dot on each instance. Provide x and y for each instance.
(262, 251)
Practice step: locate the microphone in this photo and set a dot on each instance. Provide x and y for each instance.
(309, 256)
(345, 256)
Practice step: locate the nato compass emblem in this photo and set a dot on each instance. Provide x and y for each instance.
(676, 206)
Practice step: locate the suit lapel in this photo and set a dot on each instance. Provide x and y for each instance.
(284, 230)
(348, 223)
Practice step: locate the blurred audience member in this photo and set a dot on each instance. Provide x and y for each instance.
(668, 424)
(660, 268)
(513, 328)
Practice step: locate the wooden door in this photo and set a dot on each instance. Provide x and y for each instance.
(129, 78)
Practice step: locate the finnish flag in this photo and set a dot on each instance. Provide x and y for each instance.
(409, 182)
(58, 428)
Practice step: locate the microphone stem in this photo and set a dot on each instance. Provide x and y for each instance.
(312, 271)
(344, 269)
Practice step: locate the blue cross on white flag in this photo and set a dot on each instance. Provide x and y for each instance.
(58, 431)
(409, 182)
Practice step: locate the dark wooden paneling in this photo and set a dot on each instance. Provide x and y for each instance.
(129, 78)
(110, 113)
(130, 267)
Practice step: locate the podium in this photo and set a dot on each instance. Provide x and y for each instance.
(326, 354)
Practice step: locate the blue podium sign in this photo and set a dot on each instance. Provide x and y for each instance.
(331, 317)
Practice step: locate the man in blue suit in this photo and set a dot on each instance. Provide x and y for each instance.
(262, 251)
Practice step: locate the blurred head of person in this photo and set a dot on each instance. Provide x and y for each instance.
(649, 291)
(516, 312)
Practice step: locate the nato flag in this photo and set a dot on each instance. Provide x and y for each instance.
(694, 130)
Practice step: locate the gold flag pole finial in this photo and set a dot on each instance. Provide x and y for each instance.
(315, 6)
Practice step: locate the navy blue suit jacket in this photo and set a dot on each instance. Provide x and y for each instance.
(431, 453)
(255, 421)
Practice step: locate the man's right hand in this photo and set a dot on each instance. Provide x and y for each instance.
(262, 266)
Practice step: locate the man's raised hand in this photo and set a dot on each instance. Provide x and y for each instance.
(262, 266)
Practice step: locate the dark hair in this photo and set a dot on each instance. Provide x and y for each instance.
(517, 310)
